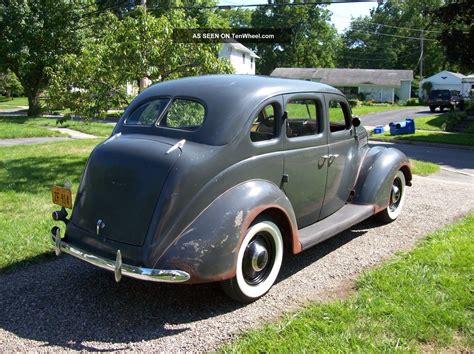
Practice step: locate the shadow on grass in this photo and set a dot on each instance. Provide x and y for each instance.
(39, 173)
(437, 121)
(68, 303)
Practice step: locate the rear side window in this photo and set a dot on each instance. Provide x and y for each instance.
(148, 113)
(184, 114)
(303, 118)
(263, 124)
(339, 116)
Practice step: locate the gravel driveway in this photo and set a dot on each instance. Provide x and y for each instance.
(67, 304)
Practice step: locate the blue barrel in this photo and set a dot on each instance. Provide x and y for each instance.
(379, 129)
(404, 127)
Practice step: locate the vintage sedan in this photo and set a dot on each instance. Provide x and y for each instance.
(214, 178)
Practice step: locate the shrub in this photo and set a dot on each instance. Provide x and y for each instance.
(354, 103)
(453, 119)
(412, 102)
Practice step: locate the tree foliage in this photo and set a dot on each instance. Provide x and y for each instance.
(457, 35)
(137, 46)
(34, 35)
(391, 38)
(9, 84)
(313, 39)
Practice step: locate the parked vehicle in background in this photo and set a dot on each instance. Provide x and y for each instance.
(214, 178)
(445, 99)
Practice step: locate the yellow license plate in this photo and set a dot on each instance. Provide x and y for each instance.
(62, 196)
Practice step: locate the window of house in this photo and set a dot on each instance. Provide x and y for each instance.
(339, 116)
(263, 124)
(147, 113)
(251, 62)
(183, 114)
(243, 58)
(304, 117)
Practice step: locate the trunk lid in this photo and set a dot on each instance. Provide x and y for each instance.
(121, 186)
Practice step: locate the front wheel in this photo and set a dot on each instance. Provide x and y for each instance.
(258, 263)
(432, 108)
(396, 201)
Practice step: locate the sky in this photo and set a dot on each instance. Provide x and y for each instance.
(342, 13)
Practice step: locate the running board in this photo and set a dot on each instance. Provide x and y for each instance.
(344, 218)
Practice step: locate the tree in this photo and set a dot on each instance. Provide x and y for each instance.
(313, 39)
(457, 33)
(34, 35)
(137, 46)
(390, 38)
(9, 84)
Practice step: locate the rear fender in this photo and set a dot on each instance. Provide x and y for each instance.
(376, 176)
(207, 249)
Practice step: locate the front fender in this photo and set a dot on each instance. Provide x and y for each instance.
(376, 175)
(207, 248)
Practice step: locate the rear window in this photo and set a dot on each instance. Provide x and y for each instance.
(440, 94)
(147, 113)
(183, 114)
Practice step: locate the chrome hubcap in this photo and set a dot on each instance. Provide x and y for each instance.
(258, 259)
(396, 194)
(258, 255)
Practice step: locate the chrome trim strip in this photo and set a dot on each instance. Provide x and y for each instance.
(116, 266)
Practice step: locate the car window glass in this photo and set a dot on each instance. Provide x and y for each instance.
(148, 113)
(339, 118)
(263, 124)
(303, 118)
(184, 114)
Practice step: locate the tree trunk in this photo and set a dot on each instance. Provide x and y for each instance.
(34, 107)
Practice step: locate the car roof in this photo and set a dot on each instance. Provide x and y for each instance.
(229, 100)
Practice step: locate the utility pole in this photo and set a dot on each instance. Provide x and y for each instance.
(422, 39)
(143, 80)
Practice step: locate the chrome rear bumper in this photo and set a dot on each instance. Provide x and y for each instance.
(116, 266)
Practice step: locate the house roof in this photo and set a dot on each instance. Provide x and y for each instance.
(240, 47)
(459, 75)
(347, 77)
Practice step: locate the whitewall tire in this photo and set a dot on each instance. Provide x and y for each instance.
(396, 199)
(258, 263)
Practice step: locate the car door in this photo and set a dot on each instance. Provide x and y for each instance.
(343, 154)
(305, 145)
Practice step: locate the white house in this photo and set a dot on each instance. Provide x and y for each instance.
(380, 85)
(444, 80)
(467, 85)
(241, 57)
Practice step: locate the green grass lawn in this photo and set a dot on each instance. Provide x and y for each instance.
(14, 130)
(437, 123)
(423, 168)
(21, 126)
(419, 301)
(6, 103)
(434, 123)
(431, 137)
(362, 110)
(26, 174)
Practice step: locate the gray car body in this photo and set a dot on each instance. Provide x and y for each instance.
(189, 209)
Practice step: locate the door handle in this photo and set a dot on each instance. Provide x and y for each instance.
(330, 157)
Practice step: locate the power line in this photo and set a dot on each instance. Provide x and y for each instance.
(397, 36)
(390, 26)
(238, 6)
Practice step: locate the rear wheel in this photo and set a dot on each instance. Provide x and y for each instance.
(396, 201)
(432, 108)
(258, 263)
